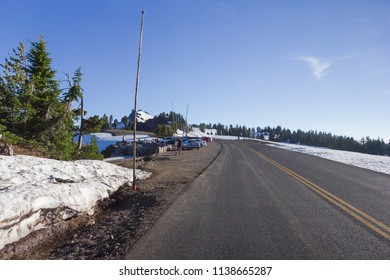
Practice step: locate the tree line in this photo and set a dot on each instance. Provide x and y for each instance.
(309, 138)
(35, 111)
(165, 124)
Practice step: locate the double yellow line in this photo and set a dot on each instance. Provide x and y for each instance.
(359, 215)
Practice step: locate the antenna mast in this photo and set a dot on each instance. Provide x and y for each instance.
(174, 120)
(135, 103)
(186, 128)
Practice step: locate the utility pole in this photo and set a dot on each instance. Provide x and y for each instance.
(186, 128)
(174, 120)
(135, 104)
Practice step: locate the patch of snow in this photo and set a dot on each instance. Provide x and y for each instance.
(30, 185)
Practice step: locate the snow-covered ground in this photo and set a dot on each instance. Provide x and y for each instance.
(375, 163)
(29, 186)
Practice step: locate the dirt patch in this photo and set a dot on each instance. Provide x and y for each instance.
(28, 151)
(121, 220)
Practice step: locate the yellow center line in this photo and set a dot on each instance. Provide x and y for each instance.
(369, 221)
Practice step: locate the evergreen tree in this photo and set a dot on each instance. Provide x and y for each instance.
(92, 124)
(125, 120)
(46, 92)
(164, 130)
(13, 88)
(75, 93)
(110, 122)
(105, 124)
(202, 127)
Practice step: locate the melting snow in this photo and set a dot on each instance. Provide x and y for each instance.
(30, 185)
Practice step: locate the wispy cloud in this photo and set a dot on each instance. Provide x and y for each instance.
(318, 67)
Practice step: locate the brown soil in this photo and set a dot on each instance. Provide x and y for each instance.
(28, 151)
(125, 217)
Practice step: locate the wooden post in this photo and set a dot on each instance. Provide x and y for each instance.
(135, 104)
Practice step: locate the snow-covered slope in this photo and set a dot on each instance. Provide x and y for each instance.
(143, 116)
(29, 186)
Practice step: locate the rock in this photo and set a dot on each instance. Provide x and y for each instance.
(6, 149)
(108, 151)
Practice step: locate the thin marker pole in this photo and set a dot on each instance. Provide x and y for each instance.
(135, 103)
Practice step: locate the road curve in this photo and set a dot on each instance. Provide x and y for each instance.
(261, 202)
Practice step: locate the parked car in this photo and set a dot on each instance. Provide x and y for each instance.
(202, 142)
(167, 140)
(191, 144)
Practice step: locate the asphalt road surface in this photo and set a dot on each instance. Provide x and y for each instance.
(261, 202)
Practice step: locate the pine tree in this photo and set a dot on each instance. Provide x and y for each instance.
(46, 91)
(12, 89)
(110, 122)
(92, 124)
(105, 122)
(75, 93)
(52, 122)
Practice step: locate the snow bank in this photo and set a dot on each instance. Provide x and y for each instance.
(30, 185)
(371, 162)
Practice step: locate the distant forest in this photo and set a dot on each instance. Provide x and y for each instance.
(309, 138)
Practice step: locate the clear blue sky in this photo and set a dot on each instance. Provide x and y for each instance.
(321, 65)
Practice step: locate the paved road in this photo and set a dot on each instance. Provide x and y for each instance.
(261, 202)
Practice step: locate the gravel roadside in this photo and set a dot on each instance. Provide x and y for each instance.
(127, 215)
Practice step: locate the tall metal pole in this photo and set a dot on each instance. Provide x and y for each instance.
(188, 105)
(174, 120)
(135, 103)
